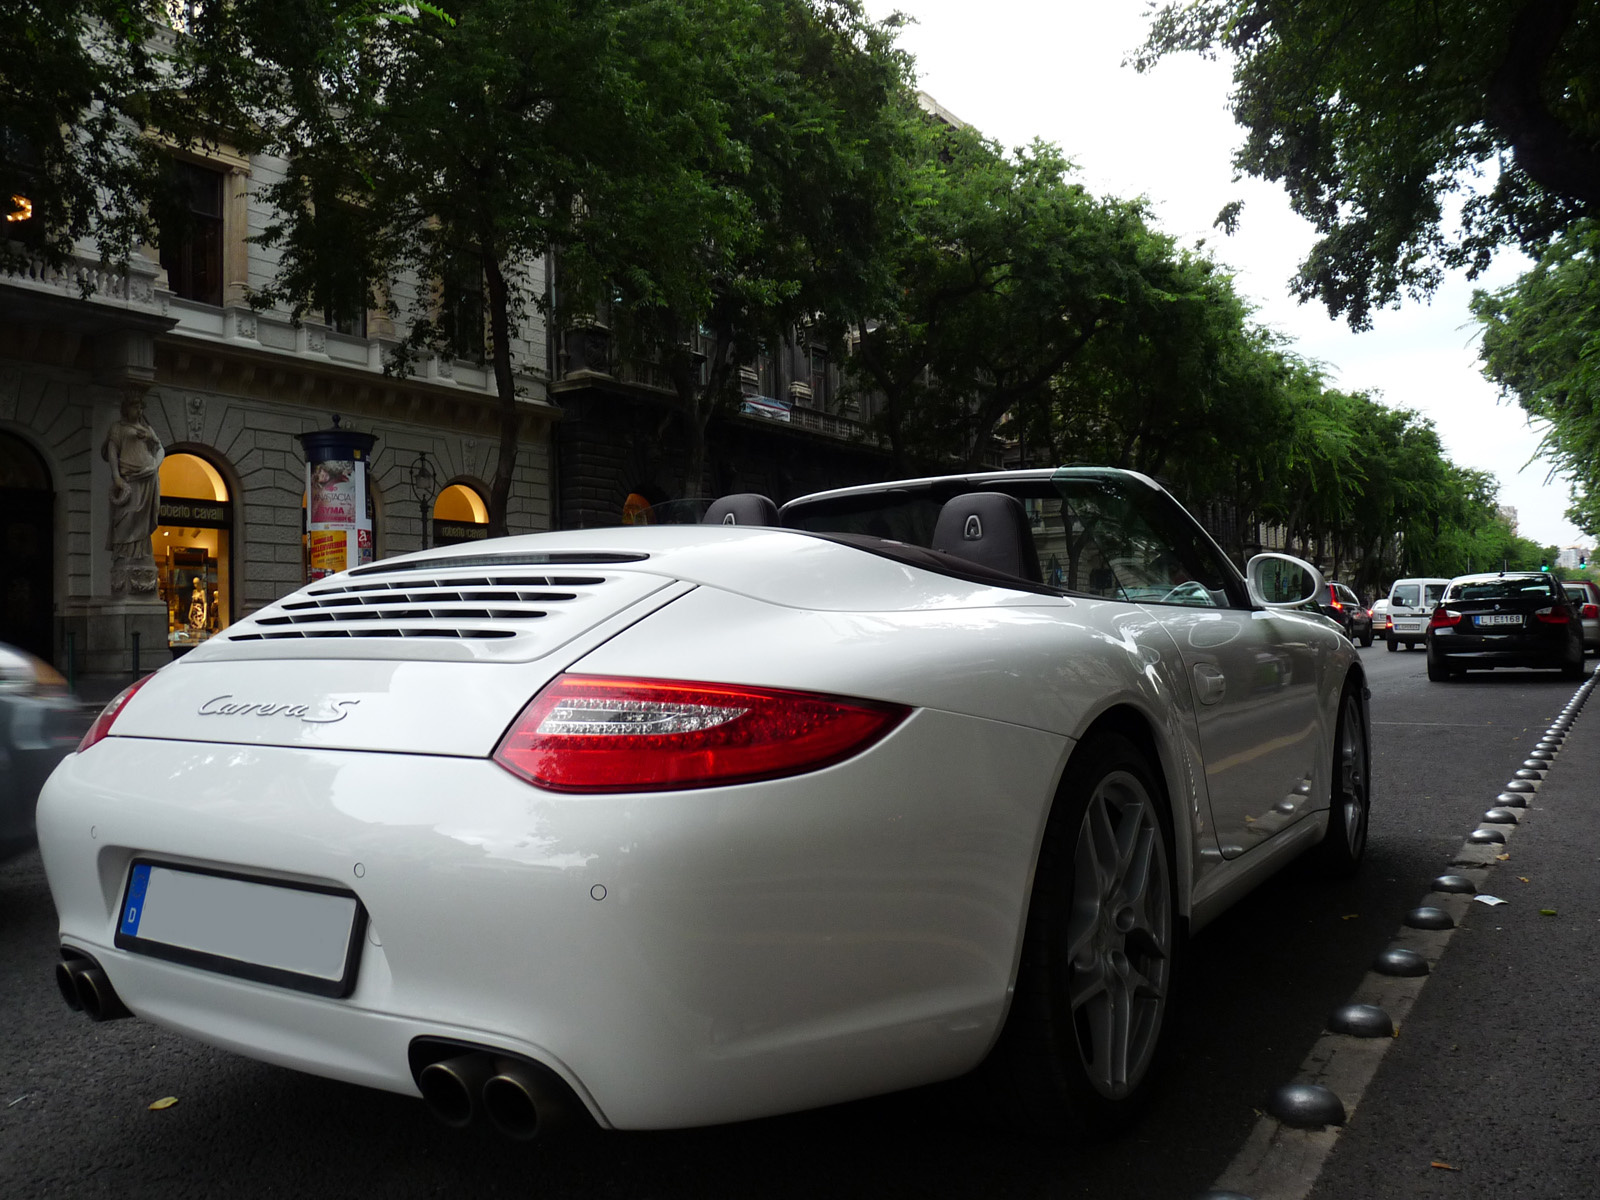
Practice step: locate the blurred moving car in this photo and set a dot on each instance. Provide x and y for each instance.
(1585, 593)
(37, 730)
(1508, 619)
(1347, 611)
(1411, 603)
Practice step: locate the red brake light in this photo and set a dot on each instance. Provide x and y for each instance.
(1556, 614)
(589, 733)
(109, 714)
(1443, 617)
(1388, 621)
(1591, 612)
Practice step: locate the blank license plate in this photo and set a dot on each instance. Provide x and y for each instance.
(291, 935)
(1500, 619)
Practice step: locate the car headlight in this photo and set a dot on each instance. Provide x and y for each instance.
(22, 674)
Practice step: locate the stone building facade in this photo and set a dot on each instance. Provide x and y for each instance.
(227, 390)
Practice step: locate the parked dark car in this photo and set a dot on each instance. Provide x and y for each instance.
(1510, 619)
(38, 727)
(1347, 610)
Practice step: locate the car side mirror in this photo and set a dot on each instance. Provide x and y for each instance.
(1282, 581)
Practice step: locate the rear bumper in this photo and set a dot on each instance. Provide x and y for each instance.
(678, 958)
(1505, 650)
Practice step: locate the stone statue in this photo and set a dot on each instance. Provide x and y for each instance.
(134, 452)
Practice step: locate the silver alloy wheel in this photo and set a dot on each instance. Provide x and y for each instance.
(1352, 766)
(1119, 934)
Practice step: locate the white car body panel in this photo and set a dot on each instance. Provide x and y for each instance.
(677, 957)
(739, 925)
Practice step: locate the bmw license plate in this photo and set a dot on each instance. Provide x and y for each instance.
(292, 935)
(1499, 619)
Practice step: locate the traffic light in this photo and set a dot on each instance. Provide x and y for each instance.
(1544, 564)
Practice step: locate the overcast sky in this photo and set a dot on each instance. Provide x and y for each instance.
(1052, 69)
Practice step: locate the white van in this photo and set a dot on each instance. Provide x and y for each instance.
(1411, 603)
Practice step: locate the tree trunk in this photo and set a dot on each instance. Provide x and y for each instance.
(505, 388)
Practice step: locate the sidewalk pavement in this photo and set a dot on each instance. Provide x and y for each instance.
(1493, 1086)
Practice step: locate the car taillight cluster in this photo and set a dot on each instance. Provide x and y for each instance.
(109, 714)
(588, 733)
(1443, 618)
(1556, 614)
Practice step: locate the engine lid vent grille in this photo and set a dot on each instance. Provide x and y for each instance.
(461, 605)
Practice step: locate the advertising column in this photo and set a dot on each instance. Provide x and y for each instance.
(338, 511)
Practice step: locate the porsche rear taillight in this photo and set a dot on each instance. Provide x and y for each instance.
(109, 714)
(1443, 618)
(590, 733)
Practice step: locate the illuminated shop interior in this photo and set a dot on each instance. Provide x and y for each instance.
(192, 551)
(459, 515)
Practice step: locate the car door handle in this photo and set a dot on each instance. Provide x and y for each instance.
(1210, 684)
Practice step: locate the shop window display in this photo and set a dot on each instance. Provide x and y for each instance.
(459, 515)
(192, 550)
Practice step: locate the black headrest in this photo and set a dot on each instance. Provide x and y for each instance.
(990, 528)
(746, 508)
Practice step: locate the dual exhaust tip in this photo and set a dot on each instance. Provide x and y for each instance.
(86, 989)
(521, 1099)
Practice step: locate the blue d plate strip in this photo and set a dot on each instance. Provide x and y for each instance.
(133, 904)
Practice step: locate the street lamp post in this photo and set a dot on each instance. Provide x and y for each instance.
(423, 481)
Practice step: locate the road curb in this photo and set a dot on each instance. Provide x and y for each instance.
(1280, 1161)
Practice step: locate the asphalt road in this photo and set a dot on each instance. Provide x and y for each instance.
(74, 1096)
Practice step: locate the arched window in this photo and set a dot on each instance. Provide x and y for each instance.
(193, 549)
(459, 515)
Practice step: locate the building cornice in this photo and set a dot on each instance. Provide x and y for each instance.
(240, 369)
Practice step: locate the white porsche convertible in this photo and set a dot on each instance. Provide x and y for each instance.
(679, 825)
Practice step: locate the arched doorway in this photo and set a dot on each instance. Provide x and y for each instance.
(193, 548)
(460, 514)
(27, 542)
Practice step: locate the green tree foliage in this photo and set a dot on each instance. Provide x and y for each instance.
(434, 157)
(82, 88)
(1541, 345)
(1384, 121)
(785, 123)
(705, 170)
(1021, 302)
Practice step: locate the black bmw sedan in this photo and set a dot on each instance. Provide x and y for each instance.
(1510, 619)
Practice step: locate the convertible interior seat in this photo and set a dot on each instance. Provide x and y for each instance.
(742, 508)
(989, 528)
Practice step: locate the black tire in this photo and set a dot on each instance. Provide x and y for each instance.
(1437, 671)
(1573, 669)
(1343, 846)
(1366, 639)
(1392, 644)
(1091, 1017)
